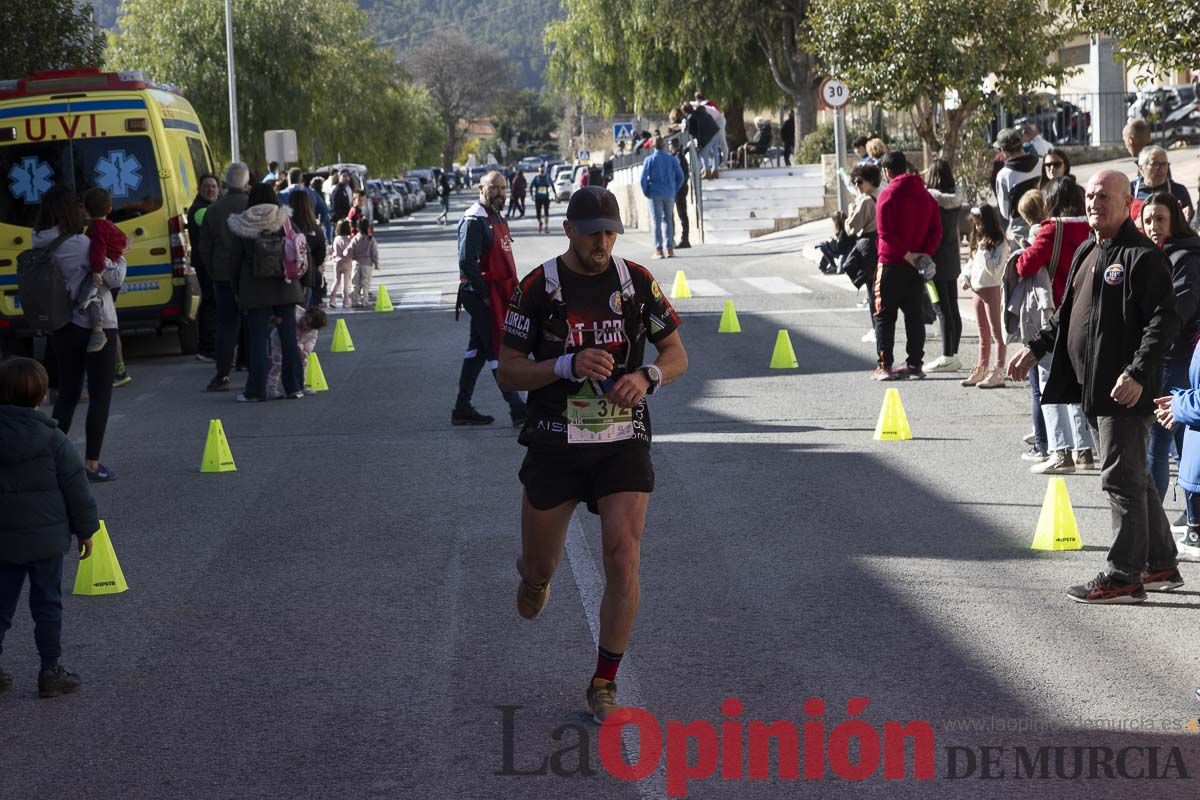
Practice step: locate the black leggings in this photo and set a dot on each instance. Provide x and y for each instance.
(74, 361)
(948, 315)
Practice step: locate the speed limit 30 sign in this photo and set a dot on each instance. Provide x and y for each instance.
(834, 93)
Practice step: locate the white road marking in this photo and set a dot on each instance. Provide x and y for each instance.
(591, 591)
(703, 288)
(777, 286)
(423, 297)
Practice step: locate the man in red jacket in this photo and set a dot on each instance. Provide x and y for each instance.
(910, 228)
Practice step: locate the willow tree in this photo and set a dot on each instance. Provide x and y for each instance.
(648, 56)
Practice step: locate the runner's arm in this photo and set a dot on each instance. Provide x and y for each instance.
(518, 373)
(672, 361)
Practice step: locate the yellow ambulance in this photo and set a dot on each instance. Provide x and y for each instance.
(140, 141)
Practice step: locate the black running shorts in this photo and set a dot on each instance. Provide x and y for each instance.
(554, 475)
(541, 204)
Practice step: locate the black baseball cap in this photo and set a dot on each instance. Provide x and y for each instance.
(593, 209)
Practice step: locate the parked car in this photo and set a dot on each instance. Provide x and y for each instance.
(530, 164)
(395, 204)
(379, 201)
(417, 192)
(405, 199)
(567, 180)
(475, 174)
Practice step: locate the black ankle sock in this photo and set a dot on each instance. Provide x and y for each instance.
(49, 663)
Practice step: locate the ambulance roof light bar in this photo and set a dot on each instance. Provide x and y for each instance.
(77, 80)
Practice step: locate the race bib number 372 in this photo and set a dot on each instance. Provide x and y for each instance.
(592, 419)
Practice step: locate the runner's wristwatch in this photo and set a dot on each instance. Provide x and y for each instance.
(654, 375)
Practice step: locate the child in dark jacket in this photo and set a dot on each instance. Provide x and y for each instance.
(45, 496)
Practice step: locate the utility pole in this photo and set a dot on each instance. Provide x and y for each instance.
(234, 150)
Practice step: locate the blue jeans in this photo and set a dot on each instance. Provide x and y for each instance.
(1161, 439)
(258, 359)
(1039, 422)
(1066, 427)
(710, 154)
(45, 603)
(663, 211)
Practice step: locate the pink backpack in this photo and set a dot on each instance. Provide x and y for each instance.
(295, 252)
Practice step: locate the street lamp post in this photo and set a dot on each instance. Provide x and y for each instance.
(234, 150)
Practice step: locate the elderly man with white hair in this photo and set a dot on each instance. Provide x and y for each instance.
(1154, 175)
(758, 145)
(1110, 338)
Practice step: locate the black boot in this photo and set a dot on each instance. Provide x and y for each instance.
(56, 681)
(469, 416)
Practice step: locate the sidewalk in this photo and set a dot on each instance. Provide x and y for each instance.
(1185, 170)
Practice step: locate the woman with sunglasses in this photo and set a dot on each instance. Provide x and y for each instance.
(1057, 164)
(1163, 221)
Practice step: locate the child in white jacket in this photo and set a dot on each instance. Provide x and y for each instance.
(343, 265)
(989, 252)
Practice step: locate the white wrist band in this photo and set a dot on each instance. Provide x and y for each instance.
(564, 367)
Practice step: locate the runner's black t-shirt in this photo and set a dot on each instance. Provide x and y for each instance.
(591, 315)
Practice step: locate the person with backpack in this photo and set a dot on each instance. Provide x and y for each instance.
(262, 237)
(1050, 251)
(1019, 174)
(46, 501)
(304, 220)
(59, 238)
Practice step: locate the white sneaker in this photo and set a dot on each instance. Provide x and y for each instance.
(869, 336)
(1189, 548)
(1059, 463)
(945, 364)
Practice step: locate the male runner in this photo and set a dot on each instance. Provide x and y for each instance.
(575, 337)
(541, 187)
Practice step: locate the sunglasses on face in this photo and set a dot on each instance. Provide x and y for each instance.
(1054, 164)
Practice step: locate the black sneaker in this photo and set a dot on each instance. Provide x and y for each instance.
(57, 681)
(1107, 589)
(1161, 580)
(218, 385)
(684, 245)
(519, 417)
(470, 417)
(5, 681)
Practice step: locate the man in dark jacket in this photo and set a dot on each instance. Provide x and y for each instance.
(341, 199)
(46, 500)
(218, 238)
(909, 228)
(703, 128)
(681, 195)
(206, 315)
(1110, 338)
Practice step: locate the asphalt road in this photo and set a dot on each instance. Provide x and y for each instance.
(336, 618)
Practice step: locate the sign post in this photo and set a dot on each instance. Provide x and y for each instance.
(835, 95)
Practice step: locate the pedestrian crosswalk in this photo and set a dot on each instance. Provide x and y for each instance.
(425, 295)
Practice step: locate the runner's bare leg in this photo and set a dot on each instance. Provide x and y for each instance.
(622, 519)
(543, 534)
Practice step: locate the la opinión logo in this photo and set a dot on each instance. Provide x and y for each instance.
(734, 748)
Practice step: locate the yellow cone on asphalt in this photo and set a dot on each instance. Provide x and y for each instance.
(217, 456)
(892, 425)
(100, 573)
(729, 320)
(680, 289)
(382, 301)
(784, 356)
(1057, 528)
(314, 376)
(342, 343)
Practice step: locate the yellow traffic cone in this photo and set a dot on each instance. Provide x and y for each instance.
(784, 356)
(100, 573)
(680, 290)
(382, 301)
(342, 343)
(1056, 528)
(893, 422)
(314, 376)
(729, 320)
(217, 457)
